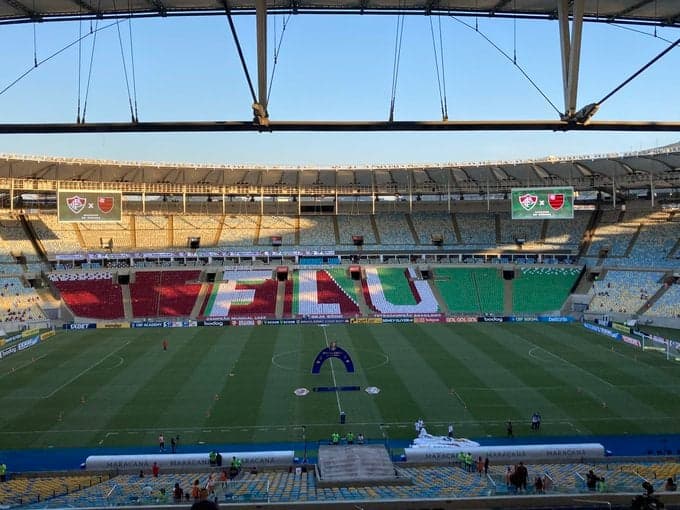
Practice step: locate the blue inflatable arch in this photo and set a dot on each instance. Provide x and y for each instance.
(332, 351)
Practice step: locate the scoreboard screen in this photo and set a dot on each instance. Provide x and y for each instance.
(80, 206)
(555, 203)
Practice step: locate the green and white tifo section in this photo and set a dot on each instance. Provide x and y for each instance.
(391, 291)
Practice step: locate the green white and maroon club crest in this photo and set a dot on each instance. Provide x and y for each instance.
(528, 201)
(76, 203)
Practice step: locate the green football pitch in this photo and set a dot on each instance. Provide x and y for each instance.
(237, 384)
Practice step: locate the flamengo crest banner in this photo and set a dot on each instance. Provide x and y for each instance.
(83, 206)
(542, 203)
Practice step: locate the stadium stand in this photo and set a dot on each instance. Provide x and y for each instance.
(375, 296)
(153, 232)
(349, 226)
(318, 231)
(18, 302)
(319, 294)
(241, 230)
(429, 224)
(243, 294)
(566, 234)
(542, 289)
(394, 229)
(205, 227)
(55, 237)
(612, 235)
(477, 230)
(164, 293)
(668, 305)
(13, 238)
(95, 236)
(511, 230)
(624, 291)
(91, 294)
(285, 227)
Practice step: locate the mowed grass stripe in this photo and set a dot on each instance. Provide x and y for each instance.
(361, 408)
(279, 413)
(450, 355)
(37, 421)
(522, 388)
(614, 403)
(621, 372)
(428, 393)
(374, 365)
(131, 405)
(595, 404)
(242, 394)
(642, 384)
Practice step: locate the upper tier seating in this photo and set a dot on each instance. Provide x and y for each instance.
(164, 293)
(239, 230)
(393, 229)
(359, 225)
(281, 226)
(189, 226)
(317, 231)
(432, 224)
(97, 235)
(90, 294)
(151, 232)
(55, 237)
(13, 237)
(511, 230)
(566, 233)
(477, 229)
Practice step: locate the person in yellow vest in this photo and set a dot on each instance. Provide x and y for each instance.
(335, 438)
(3, 472)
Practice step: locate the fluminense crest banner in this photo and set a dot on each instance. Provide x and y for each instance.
(542, 203)
(83, 206)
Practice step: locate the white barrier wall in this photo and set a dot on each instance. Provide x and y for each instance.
(178, 461)
(510, 453)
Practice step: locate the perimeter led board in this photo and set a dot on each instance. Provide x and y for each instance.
(89, 206)
(542, 203)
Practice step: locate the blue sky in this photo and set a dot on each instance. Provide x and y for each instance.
(330, 67)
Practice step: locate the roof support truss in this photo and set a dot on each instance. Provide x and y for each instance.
(22, 8)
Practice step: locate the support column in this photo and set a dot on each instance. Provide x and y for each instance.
(570, 45)
(260, 108)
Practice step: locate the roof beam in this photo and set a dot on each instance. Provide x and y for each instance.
(499, 5)
(338, 126)
(673, 18)
(21, 7)
(159, 6)
(87, 7)
(630, 9)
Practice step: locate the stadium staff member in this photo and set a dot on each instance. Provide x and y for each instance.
(3, 472)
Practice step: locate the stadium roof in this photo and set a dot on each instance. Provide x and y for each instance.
(570, 15)
(637, 170)
(666, 12)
